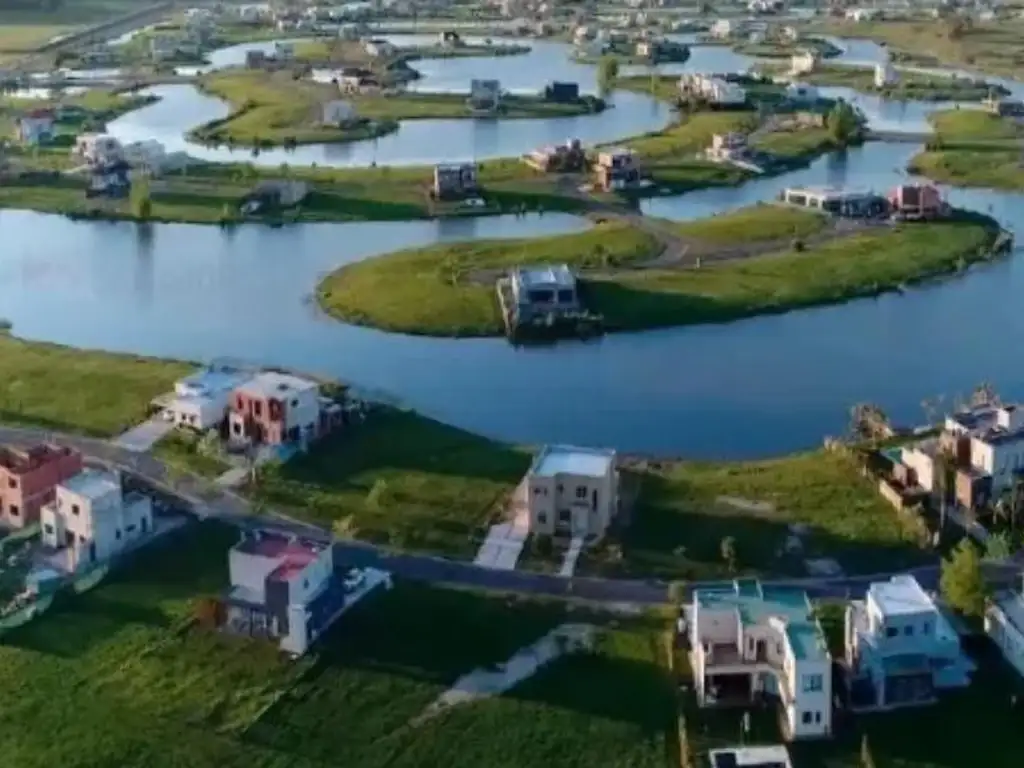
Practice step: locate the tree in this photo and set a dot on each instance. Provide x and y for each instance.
(141, 204)
(607, 72)
(728, 550)
(962, 583)
(843, 124)
(998, 546)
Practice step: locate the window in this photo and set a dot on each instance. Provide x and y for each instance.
(305, 583)
(807, 718)
(74, 509)
(48, 528)
(257, 407)
(295, 403)
(813, 683)
(926, 628)
(542, 519)
(13, 509)
(817, 718)
(81, 539)
(130, 528)
(892, 631)
(564, 516)
(560, 488)
(117, 534)
(581, 491)
(536, 490)
(908, 630)
(12, 483)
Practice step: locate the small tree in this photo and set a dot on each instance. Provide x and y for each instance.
(607, 72)
(998, 546)
(962, 583)
(141, 204)
(728, 550)
(843, 124)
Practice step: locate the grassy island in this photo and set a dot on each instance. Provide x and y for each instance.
(784, 49)
(973, 149)
(270, 109)
(735, 265)
(912, 86)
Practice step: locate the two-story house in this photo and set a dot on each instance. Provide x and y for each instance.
(200, 400)
(750, 641)
(900, 648)
(287, 589)
(28, 477)
(277, 408)
(572, 491)
(93, 519)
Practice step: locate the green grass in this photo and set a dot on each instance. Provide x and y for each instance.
(912, 86)
(19, 38)
(857, 265)
(755, 224)
(124, 679)
(180, 449)
(448, 290)
(401, 480)
(97, 393)
(683, 512)
(973, 148)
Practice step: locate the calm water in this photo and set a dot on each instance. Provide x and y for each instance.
(748, 388)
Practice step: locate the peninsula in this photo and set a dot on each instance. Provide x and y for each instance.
(973, 148)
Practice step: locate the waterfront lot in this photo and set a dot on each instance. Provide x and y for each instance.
(124, 679)
(64, 389)
(973, 148)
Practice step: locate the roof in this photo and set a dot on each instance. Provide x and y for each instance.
(756, 604)
(93, 483)
(273, 384)
(209, 380)
(569, 460)
(901, 595)
(20, 460)
(293, 554)
(560, 276)
(750, 757)
(40, 114)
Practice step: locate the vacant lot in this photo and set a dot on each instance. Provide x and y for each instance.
(96, 393)
(399, 479)
(755, 224)
(125, 681)
(973, 148)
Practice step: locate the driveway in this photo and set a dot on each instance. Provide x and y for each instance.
(143, 437)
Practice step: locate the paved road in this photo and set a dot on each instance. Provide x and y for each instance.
(208, 500)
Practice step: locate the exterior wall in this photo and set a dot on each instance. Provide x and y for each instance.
(1005, 634)
(923, 465)
(1000, 460)
(553, 510)
(809, 714)
(302, 412)
(22, 495)
(95, 530)
(309, 582)
(250, 571)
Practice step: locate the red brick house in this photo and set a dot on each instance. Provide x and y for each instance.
(28, 478)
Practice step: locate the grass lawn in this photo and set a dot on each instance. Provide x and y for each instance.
(18, 38)
(863, 264)
(180, 449)
(685, 509)
(755, 224)
(912, 86)
(97, 393)
(448, 290)
(401, 480)
(126, 681)
(973, 148)
(995, 47)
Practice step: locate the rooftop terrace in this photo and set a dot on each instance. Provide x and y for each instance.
(568, 460)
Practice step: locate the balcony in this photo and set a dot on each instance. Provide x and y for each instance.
(729, 655)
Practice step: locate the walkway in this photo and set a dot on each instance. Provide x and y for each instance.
(144, 436)
(505, 541)
(572, 554)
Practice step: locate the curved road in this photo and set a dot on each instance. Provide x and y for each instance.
(207, 500)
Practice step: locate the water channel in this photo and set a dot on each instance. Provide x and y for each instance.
(749, 388)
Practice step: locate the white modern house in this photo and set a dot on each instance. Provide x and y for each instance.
(885, 75)
(287, 589)
(752, 641)
(379, 49)
(98, 149)
(201, 399)
(774, 756)
(337, 112)
(803, 63)
(93, 519)
(542, 290)
(1004, 623)
(484, 94)
(714, 90)
(572, 491)
(36, 126)
(900, 648)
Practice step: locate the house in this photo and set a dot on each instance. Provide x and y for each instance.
(801, 93)
(715, 90)
(280, 193)
(854, 204)
(108, 179)
(287, 589)
(617, 168)
(752, 641)
(449, 38)
(541, 290)
(200, 400)
(163, 47)
(98, 149)
(562, 93)
(728, 146)
(28, 478)
(776, 756)
(885, 75)
(284, 52)
(646, 49)
(1004, 624)
(900, 648)
(863, 14)
(256, 59)
(572, 491)
(726, 28)
(1005, 107)
(484, 94)
(337, 112)
(273, 409)
(379, 49)
(917, 202)
(36, 127)
(147, 155)
(455, 180)
(561, 158)
(803, 63)
(92, 519)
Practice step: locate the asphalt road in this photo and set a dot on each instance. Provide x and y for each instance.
(209, 501)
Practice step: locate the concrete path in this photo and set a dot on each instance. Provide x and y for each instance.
(505, 541)
(143, 437)
(233, 478)
(572, 554)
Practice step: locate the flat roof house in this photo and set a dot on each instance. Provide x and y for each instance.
(1004, 623)
(900, 647)
(278, 408)
(29, 477)
(286, 588)
(201, 399)
(36, 126)
(572, 491)
(752, 641)
(541, 290)
(455, 180)
(855, 204)
(93, 520)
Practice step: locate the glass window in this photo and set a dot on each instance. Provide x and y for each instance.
(14, 510)
(807, 718)
(813, 683)
(581, 491)
(892, 632)
(12, 483)
(74, 509)
(908, 630)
